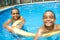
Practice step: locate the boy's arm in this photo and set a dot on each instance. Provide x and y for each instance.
(6, 25)
(39, 33)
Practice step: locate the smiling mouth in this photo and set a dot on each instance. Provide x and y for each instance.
(48, 23)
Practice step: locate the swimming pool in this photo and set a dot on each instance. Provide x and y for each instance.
(32, 14)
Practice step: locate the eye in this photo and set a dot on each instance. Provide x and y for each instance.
(45, 17)
(51, 17)
(16, 13)
(13, 13)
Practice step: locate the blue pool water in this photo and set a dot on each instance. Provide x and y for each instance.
(32, 14)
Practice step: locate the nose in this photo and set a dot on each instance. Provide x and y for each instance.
(48, 19)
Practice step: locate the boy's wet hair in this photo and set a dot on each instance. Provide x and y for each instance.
(15, 9)
(50, 11)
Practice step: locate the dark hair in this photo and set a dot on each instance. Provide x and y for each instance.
(15, 9)
(50, 11)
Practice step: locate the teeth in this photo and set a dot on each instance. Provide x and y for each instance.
(48, 23)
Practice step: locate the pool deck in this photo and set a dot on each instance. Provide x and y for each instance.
(6, 7)
(2, 8)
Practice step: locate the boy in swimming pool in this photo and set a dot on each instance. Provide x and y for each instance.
(15, 17)
(49, 24)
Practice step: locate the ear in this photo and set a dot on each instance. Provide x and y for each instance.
(11, 14)
(54, 19)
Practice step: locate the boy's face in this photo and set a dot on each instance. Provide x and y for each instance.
(15, 14)
(49, 19)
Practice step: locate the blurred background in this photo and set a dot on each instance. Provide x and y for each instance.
(5, 3)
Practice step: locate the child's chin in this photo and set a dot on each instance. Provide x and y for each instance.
(48, 25)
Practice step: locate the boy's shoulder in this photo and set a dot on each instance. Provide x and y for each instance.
(42, 28)
(57, 26)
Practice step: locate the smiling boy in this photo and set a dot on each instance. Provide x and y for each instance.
(49, 19)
